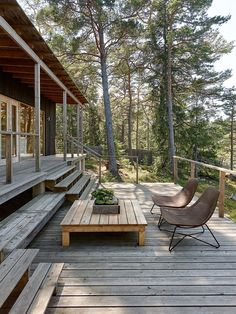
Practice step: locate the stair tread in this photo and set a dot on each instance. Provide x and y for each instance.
(69, 179)
(92, 184)
(78, 187)
(59, 173)
(30, 219)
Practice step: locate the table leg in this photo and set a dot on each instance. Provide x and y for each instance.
(65, 238)
(141, 237)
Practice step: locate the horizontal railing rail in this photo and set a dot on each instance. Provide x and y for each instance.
(222, 176)
(99, 157)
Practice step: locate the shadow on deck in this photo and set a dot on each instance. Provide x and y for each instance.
(109, 273)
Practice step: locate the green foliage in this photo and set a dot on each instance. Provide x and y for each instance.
(104, 197)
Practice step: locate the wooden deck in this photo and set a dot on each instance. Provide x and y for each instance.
(25, 177)
(106, 273)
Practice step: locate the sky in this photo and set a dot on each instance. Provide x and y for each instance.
(228, 30)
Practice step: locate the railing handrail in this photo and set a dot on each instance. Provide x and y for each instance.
(86, 148)
(203, 164)
(222, 175)
(97, 155)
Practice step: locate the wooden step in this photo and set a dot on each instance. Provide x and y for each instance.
(53, 178)
(20, 228)
(75, 192)
(89, 189)
(68, 182)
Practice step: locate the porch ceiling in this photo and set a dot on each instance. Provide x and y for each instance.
(14, 60)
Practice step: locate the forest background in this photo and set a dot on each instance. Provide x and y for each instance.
(148, 71)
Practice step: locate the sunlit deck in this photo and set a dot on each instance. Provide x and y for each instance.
(110, 273)
(25, 177)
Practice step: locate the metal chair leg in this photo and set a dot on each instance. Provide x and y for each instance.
(152, 209)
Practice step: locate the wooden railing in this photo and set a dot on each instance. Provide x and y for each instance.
(75, 143)
(9, 140)
(222, 175)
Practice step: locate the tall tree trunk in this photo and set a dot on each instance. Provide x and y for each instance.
(129, 113)
(232, 139)
(168, 43)
(108, 115)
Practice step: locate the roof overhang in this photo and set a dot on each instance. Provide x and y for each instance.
(21, 47)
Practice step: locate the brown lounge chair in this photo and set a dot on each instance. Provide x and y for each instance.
(193, 216)
(179, 200)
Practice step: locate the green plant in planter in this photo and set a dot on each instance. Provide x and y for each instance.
(104, 197)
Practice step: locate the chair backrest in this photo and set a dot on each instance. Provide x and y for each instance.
(184, 197)
(203, 209)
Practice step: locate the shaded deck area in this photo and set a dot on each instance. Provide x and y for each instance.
(110, 273)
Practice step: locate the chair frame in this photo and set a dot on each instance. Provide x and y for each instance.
(191, 235)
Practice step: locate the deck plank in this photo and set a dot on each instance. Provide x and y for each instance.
(109, 273)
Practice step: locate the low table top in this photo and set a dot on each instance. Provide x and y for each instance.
(81, 214)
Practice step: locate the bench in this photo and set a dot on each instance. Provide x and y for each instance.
(14, 273)
(39, 289)
(19, 229)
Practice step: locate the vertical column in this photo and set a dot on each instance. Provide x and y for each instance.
(222, 193)
(65, 124)
(193, 170)
(78, 126)
(37, 102)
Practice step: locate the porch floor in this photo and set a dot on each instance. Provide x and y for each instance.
(24, 175)
(110, 273)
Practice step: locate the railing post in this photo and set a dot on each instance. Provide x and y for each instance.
(193, 170)
(175, 169)
(37, 103)
(64, 124)
(222, 193)
(72, 149)
(100, 171)
(137, 170)
(8, 158)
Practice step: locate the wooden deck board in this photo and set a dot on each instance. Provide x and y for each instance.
(109, 273)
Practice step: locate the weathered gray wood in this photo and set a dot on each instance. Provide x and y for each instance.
(108, 273)
(64, 119)
(38, 291)
(54, 176)
(68, 182)
(76, 190)
(37, 105)
(13, 275)
(142, 310)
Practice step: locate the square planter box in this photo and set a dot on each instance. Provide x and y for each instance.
(106, 209)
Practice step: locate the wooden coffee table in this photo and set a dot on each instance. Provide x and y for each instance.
(81, 219)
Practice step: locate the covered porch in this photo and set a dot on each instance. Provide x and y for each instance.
(110, 273)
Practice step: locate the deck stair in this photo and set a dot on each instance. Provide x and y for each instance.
(76, 191)
(58, 175)
(68, 181)
(20, 228)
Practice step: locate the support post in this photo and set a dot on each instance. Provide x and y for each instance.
(64, 125)
(100, 171)
(175, 169)
(137, 170)
(9, 170)
(193, 170)
(222, 193)
(37, 102)
(78, 127)
(80, 135)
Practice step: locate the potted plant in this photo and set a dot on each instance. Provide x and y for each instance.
(105, 202)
